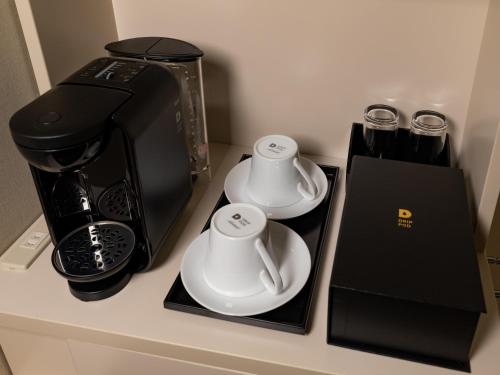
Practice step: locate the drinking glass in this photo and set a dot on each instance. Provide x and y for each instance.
(427, 136)
(380, 130)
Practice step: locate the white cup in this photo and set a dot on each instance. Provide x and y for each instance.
(277, 178)
(240, 261)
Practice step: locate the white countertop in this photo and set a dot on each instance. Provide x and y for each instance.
(39, 301)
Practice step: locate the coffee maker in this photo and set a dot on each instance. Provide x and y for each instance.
(109, 159)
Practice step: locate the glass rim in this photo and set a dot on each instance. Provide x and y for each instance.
(419, 126)
(382, 122)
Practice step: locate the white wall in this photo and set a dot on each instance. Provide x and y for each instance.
(63, 35)
(488, 212)
(18, 200)
(72, 33)
(308, 68)
(483, 114)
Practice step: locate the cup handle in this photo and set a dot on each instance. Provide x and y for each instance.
(270, 277)
(311, 192)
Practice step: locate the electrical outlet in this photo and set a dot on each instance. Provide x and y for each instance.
(27, 248)
(35, 240)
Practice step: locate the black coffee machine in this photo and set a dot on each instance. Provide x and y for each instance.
(108, 155)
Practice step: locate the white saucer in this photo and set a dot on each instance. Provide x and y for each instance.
(236, 182)
(294, 262)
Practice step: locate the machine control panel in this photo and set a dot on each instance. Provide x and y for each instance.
(114, 70)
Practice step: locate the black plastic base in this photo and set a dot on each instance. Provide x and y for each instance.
(293, 316)
(95, 291)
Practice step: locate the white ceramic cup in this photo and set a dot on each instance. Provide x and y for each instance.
(240, 261)
(277, 178)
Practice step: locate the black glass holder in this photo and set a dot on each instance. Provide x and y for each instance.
(293, 316)
(357, 146)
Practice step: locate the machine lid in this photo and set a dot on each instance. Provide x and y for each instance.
(65, 116)
(155, 48)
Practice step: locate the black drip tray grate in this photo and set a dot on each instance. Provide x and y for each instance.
(294, 315)
(94, 250)
(114, 202)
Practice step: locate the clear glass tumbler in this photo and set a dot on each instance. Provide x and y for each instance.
(427, 136)
(380, 130)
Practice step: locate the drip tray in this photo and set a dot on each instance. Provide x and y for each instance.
(293, 316)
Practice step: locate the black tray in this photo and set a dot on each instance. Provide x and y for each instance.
(293, 316)
(357, 147)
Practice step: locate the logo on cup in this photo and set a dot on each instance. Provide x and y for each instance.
(238, 221)
(276, 148)
(404, 218)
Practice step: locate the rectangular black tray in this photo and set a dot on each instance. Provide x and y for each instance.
(357, 147)
(293, 316)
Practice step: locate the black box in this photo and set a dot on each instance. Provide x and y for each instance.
(405, 280)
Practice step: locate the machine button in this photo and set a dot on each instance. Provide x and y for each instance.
(49, 118)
